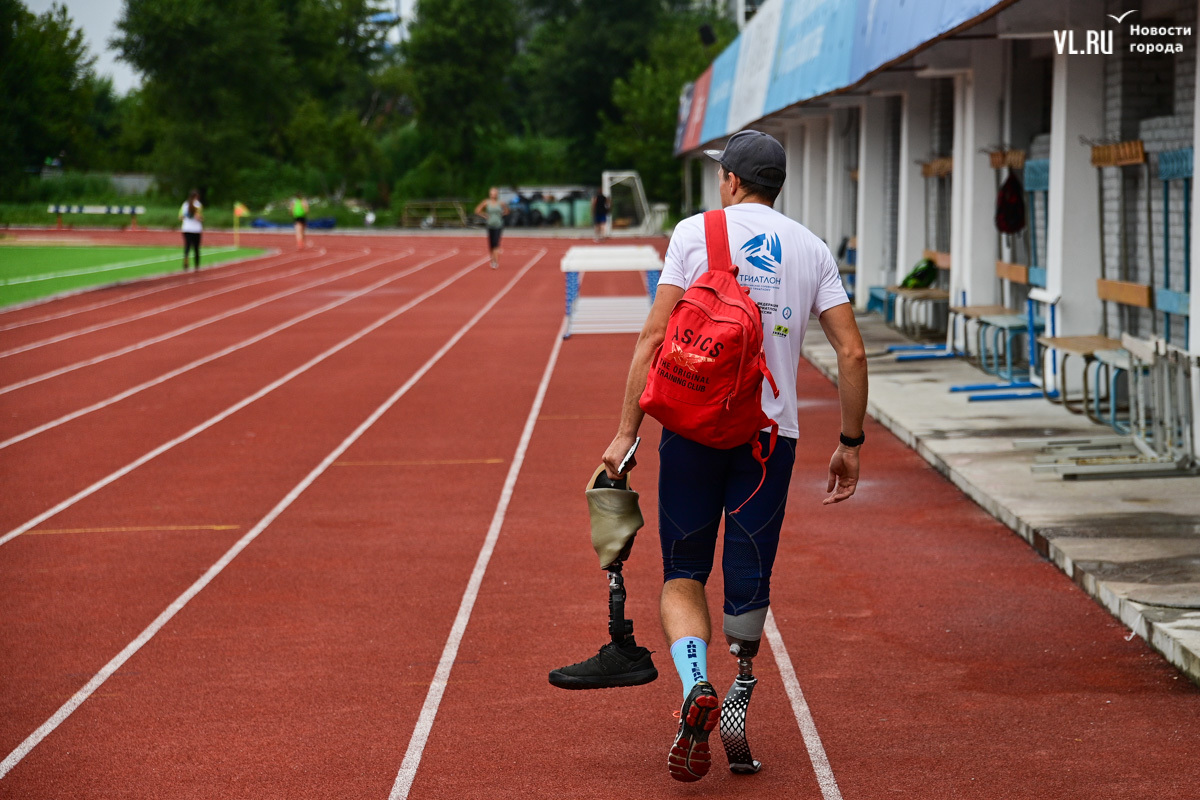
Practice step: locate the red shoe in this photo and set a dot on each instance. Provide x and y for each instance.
(689, 758)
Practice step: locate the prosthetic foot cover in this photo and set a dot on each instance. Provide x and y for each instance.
(733, 727)
(616, 517)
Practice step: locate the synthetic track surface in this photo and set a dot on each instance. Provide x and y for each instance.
(940, 657)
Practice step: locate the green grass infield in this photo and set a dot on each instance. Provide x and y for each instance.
(30, 272)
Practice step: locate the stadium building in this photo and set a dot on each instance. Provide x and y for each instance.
(902, 119)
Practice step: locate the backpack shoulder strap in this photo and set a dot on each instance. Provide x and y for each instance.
(716, 238)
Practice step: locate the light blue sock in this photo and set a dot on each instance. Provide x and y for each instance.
(691, 661)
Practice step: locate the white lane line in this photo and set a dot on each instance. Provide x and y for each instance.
(54, 373)
(47, 727)
(162, 283)
(233, 348)
(808, 727)
(233, 409)
(62, 337)
(433, 698)
(71, 273)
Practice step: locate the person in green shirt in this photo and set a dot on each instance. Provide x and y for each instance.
(300, 220)
(494, 211)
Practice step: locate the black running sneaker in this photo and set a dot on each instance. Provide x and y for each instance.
(689, 758)
(615, 665)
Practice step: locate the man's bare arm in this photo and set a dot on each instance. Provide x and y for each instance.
(651, 337)
(842, 332)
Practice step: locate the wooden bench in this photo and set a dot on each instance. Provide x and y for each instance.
(1005, 271)
(1123, 292)
(1084, 347)
(434, 214)
(1159, 441)
(913, 310)
(1011, 323)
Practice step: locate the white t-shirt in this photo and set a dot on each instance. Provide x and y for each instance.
(193, 224)
(789, 272)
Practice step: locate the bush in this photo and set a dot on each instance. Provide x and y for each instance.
(498, 161)
(517, 160)
(69, 187)
(258, 186)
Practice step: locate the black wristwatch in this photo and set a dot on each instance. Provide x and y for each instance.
(855, 442)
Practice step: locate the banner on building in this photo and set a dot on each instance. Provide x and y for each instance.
(699, 101)
(685, 113)
(795, 50)
(723, 71)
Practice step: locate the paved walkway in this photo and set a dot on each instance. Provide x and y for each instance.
(1132, 544)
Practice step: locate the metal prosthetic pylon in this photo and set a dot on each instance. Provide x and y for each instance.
(733, 713)
(619, 628)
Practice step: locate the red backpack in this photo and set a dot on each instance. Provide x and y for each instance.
(705, 382)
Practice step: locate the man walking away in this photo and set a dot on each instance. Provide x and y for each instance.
(789, 272)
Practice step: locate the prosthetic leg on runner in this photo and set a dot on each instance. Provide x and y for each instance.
(616, 519)
(736, 705)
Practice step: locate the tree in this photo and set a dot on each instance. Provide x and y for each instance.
(641, 134)
(46, 89)
(458, 52)
(335, 48)
(238, 86)
(219, 78)
(571, 62)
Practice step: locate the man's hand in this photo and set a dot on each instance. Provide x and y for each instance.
(843, 474)
(616, 452)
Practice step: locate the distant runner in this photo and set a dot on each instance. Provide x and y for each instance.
(494, 211)
(192, 215)
(300, 220)
(599, 215)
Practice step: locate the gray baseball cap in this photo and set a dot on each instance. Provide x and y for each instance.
(748, 154)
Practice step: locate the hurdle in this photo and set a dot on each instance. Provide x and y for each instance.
(608, 314)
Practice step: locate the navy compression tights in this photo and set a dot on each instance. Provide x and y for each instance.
(697, 485)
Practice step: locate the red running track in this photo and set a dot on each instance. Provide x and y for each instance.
(440, 456)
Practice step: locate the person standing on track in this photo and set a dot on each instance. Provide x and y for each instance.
(599, 215)
(494, 212)
(789, 272)
(192, 215)
(300, 221)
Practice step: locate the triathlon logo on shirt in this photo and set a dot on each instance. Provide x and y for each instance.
(764, 252)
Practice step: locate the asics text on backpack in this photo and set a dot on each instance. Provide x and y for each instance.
(705, 382)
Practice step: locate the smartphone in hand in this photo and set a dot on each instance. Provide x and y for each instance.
(628, 456)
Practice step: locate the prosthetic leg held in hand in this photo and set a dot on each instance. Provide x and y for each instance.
(616, 519)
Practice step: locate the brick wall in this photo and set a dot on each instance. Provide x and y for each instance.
(1147, 97)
